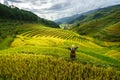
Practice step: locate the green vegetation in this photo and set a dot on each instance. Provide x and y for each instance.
(11, 20)
(101, 24)
(32, 40)
(20, 66)
(55, 42)
(17, 14)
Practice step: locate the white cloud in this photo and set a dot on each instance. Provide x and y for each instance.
(2, 1)
(54, 9)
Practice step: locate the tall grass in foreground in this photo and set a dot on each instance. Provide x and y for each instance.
(40, 67)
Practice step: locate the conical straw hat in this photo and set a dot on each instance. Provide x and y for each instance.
(73, 46)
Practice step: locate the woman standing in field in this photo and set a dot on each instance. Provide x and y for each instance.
(72, 54)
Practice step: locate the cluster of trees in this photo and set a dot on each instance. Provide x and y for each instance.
(15, 13)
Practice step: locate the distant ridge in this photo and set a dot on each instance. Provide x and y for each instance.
(73, 18)
(103, 23)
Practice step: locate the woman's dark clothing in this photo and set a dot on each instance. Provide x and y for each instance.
(72, 54)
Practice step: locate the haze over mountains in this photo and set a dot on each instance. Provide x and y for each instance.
(55, 9)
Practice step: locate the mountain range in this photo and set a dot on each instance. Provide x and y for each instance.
(103, 23)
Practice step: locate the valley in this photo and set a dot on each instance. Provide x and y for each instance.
(38, 50)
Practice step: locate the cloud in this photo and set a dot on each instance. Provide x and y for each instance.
(16, 1)
(2, 1)
(54, 9)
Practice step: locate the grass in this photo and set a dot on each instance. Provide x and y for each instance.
(20, 66)
(105, 28)
(113, 53)
(83, 56)
(6, 42)
(44, 51)
(104, 58)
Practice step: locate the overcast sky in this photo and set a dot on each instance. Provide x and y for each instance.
(54, 9)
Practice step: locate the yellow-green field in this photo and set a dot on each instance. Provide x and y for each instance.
(40, 53)
(41, 67)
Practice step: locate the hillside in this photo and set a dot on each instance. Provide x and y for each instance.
(102, 24)
(35, 46)
(10, 20)
(37, 51)
(67, 19)
(73, 18)
(14, 13)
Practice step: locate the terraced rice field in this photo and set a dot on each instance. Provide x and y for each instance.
(42, 53)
